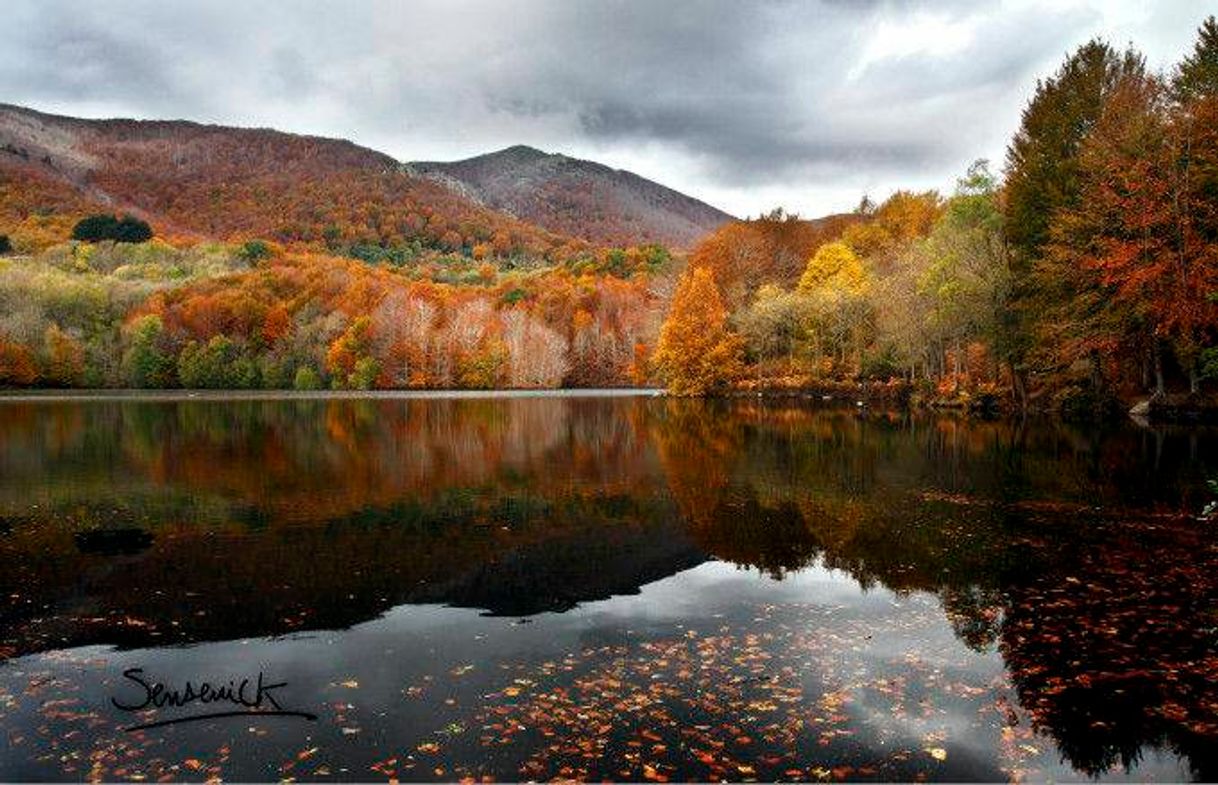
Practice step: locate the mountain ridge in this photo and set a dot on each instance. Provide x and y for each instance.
(578, 196)
(226, 182)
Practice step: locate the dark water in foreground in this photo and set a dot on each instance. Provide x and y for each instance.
(623, 588)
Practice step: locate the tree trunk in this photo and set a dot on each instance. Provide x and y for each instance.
(1019, 385)
(1160, 388)
(1194, 379)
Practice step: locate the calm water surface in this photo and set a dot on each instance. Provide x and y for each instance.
(602, 587)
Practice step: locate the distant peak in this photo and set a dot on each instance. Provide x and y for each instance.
(522, 151)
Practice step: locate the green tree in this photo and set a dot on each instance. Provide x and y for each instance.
(307, 378)
(774, 325)
(967, 275)
(219, 364)
(95, 228)
(1042, 159)
(146, 364)
(254, 251)
(132, 230)
(363, 376)
(105, 226)
(1197, 75)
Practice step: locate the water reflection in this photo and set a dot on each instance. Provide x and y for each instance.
(1074, 589)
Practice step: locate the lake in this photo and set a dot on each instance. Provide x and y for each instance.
(600, 587)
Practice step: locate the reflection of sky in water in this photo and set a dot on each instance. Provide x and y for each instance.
(359, 680)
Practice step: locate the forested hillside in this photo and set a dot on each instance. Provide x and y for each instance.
(284, 261)
(198, 181)
(1082, 277)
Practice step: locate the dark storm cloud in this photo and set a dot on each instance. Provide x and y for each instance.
(713, 96)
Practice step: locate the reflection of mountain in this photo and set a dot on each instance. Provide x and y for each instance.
(267, 518)
(192, 586)
(556, 576)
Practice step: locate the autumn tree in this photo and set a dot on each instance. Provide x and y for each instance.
(537, 355)
(65, 358)
(834, 285)
(889, 228)
(1132, 256)
(349, 359)
(17, 368)
(696, 352)
(835, 266)
(1043, 174)
(1042, 159)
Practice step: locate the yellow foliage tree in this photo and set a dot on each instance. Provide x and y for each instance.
(696, 353)
(837, 268)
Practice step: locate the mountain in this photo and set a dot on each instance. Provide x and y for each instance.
(232, 183)
(190, 179)
(579, 198)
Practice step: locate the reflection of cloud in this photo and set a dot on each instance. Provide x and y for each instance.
(740, 104)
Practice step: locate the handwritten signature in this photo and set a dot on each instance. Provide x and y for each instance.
(254, 697)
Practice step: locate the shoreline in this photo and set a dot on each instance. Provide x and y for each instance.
(101, 394)
(862, 399)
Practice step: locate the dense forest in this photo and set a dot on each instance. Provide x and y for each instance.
(1085, 274)
(1081, 275)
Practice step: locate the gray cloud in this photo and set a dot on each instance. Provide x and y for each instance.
(807, 102)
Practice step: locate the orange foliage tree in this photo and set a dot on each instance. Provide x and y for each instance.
(696, 353)
(17, 367)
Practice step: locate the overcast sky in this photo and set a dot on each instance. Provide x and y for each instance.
(805, 104)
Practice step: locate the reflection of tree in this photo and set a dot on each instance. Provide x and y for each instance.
(1117, 650)
(274, 516)
(697, 445)
(975, 614)
(1115, 653)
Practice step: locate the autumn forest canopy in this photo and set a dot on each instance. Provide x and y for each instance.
(1079, 275)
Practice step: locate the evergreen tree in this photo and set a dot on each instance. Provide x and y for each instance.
(95, 228)
(1197, 76)
(104, 226)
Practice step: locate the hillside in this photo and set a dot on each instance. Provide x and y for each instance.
(579, 198)
(234, 183)
(190, 179)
